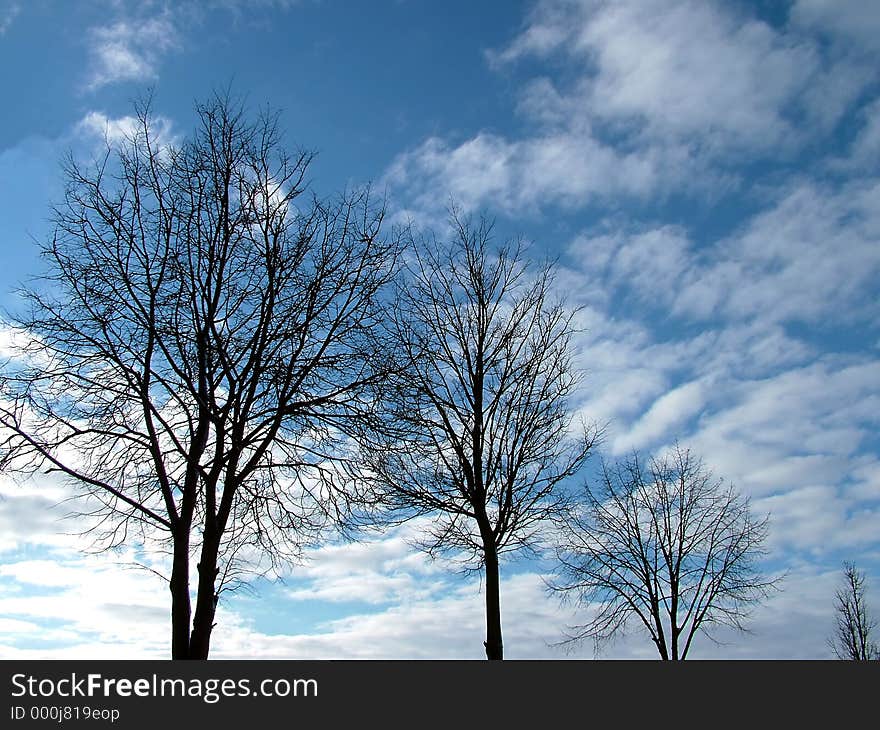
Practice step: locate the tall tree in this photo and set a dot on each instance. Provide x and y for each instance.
(670, 547)
(478, 428)
(853, 638)
(199, 348)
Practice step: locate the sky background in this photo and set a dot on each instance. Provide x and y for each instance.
(706, 174)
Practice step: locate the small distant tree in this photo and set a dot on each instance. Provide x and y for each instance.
(668, 547)
(853, 638)
(478, 430)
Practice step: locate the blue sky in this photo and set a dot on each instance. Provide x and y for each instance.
(706, 174)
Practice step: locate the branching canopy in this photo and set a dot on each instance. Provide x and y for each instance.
(670, 547)
(854, 632)
(479, 432)
(201, 342)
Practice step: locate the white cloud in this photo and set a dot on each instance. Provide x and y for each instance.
(665, 414)
(131, 46)
(628, 370)
(625, 370)
(130, 49)
(87, 610)
(519, 174)
(96, 129)
(661, 96)
(770, 420)
(814, 254)
(547, 28)
(783, 264)
(819, 518)
(692, 68)
(649, 262)
(97, 124)
(41, 573)
(378, 571)
(32, 516)
(15, 343)
(803, 426)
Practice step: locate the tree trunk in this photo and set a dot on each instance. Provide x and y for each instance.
(660, 637)
(206, 599)
(180, 604)
(494, 645)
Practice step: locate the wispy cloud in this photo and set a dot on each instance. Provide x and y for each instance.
(781, 264)
(133, 45)
(516, 174)
(660, 96)
(130, 49)
(8, 13)
(96, 125)
(675, 68)
(380, 571)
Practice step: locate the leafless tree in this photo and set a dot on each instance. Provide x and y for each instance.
(478, 430)
(853, 638)
(199, 348)
(670, 548)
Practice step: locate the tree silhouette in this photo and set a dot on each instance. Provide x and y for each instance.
(199, 348)
(853, 637)
(669, 547)
(477, 426)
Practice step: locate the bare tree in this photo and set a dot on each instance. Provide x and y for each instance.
(199, 348)
(670, 548)
(853, 638)
(477, 433)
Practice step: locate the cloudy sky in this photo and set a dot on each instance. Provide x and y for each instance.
(707, 175)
